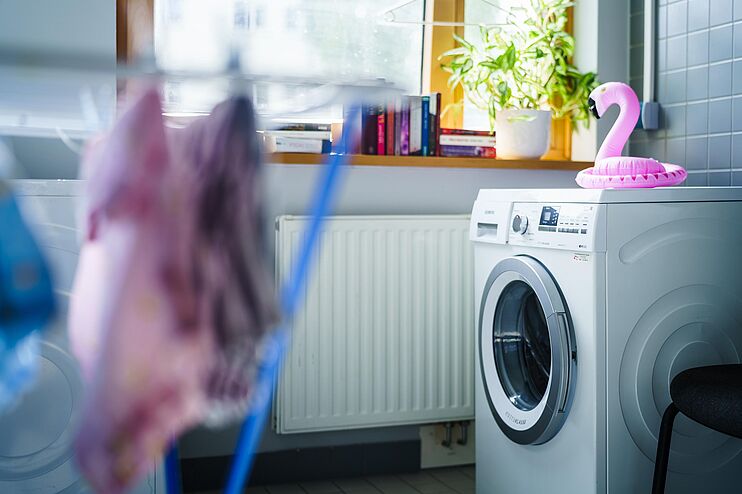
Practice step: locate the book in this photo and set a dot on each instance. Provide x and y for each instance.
(390, 127)
(381, 132)
(355, 143)
(435, 123)
(298, 126)
(416, 120)
(467, 140)
(468, 151)
(369, 129)
(398, 126)
(425, 126)
(301, 134)
(279, 144)
(404, 132)
(466, 132)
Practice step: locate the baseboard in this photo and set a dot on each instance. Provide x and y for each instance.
(309, 464)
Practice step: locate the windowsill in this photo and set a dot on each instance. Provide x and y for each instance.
(431, 161)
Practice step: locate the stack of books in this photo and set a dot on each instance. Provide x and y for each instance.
(405, 126)
(315, 138)
(469, 143)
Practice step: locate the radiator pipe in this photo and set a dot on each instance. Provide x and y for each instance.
(463, 433)
(449, 433)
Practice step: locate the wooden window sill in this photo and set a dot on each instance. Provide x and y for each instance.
(431, 161)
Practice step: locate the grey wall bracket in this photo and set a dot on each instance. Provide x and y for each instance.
(650, 118)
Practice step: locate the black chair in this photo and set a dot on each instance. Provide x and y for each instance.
(712, 396)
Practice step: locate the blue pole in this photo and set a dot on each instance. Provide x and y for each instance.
(172, 470)
(275, 347)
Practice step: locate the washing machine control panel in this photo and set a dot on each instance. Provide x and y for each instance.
(566, 226)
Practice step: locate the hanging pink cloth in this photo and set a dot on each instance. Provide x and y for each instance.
(171, 297)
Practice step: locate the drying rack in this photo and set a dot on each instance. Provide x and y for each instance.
(349, 93)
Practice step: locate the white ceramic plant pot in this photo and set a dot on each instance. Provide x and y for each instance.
(522, 134)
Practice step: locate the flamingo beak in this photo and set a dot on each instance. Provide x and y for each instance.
(593, 109)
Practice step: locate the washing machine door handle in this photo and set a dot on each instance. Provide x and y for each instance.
(569, 357)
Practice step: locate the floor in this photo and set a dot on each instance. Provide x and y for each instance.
(458, 480)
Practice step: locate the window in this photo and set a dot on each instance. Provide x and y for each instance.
(326, 39)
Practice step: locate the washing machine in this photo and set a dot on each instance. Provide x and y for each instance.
(36, 435)
(588, 303)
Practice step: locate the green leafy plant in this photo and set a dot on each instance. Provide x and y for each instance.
(525, 64)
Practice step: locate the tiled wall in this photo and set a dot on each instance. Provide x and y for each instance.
(699, 87)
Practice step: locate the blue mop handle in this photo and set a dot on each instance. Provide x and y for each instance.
(276, 346)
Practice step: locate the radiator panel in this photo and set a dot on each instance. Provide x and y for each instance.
(386, 334)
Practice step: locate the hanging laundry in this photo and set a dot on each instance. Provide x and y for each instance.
(26, 300)
(235, 289)
(171, 297)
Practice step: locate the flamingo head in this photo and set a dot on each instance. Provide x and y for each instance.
(610, 93)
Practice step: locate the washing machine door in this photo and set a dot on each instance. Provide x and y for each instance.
(527, 350)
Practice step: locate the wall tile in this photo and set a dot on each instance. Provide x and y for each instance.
(697, 180)
(675, 86)
(721, 12)
(737, 28)
(698, 48)
(676, 151)
(720, 80)
(677, 18)
(737, 114)
(736, 178)
(720, 44)
(656, 149)
(676, 52)
(698, 14)
(673, 120)
(720, 179)
(720, 116)
(698, 83)
(720, 152)
(737, 10)
(737, 77)
(737, 151)
(661, 55)
(696, 153)
(696, 118)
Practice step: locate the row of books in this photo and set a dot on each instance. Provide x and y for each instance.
(411, 126)
(401, 128)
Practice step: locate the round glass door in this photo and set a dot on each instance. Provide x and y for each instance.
(526, 347)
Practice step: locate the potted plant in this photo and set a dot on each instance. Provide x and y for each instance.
(521, 73)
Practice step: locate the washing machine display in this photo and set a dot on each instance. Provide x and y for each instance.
(527, 350)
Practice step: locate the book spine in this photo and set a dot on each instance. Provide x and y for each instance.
(438, 111)
(279, 144)
(405, 129)
(397, 126)
(370, 127)
(300, 134)
(356, 141)
(463, 140)
(416, 121)
(303, 127)
(381, 132)
(390, 128)
(425, 126)
(468, 151)
(464, 132)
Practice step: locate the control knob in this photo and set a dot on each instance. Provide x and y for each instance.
(520, 224)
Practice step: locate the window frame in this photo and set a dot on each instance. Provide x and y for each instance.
(135, 30)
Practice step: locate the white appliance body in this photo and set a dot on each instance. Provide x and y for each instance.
(36, 436)
(588, 303)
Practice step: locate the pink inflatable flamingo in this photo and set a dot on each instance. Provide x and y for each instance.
(611, 170)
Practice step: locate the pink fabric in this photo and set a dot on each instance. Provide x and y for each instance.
(163, 319)
(612, 170)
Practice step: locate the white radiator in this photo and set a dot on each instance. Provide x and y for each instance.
(386, 334)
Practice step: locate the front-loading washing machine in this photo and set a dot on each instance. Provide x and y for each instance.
(588, 303)
(36, 435)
